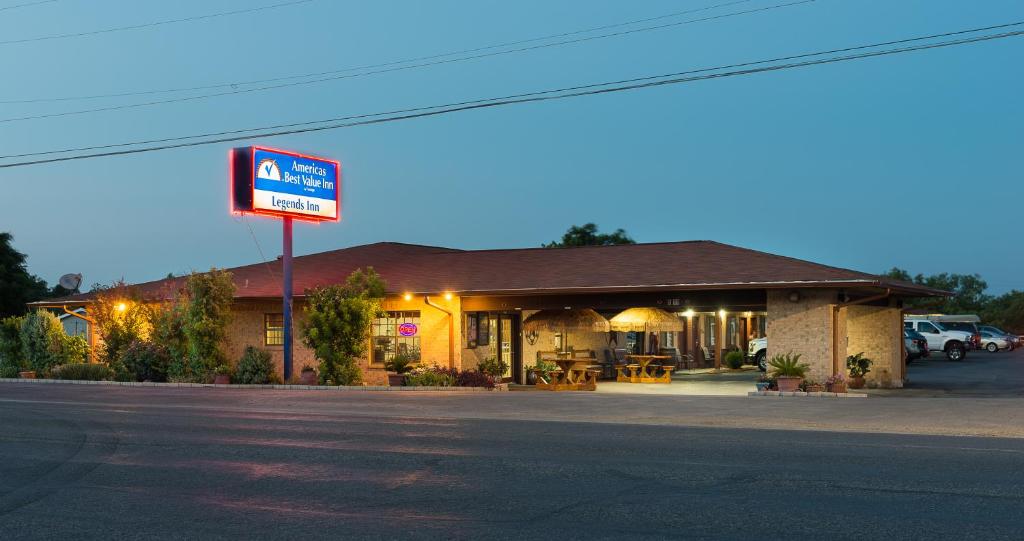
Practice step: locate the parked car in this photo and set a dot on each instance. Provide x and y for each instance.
(954, 343)
(916, 344)
(911, 349)
(958, 322)
(995, 342)
(1015, 340)
(757, 352)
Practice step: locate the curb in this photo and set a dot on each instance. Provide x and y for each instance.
(499, 388)
(780, 394)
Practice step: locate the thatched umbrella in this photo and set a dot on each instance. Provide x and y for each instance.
(563, 321)
(646, 320)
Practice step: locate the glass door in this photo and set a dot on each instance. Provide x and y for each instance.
(509, 346)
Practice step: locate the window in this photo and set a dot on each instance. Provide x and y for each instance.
(926, 327)
(273, 329)
(396, 333)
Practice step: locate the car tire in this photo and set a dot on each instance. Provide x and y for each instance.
(992, 347)
(759, 360)
(955, 351)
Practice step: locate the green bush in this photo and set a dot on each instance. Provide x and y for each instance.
(430, 377)
(42, 341)
(82, 372)
(402, 363)
(787, 366)
(12, 360)
(858, 365)
(256, 368)
(492, 366)
(734, 359)
(142, 361)
(206, 314)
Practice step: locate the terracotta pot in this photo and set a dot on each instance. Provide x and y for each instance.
(27, 374)
(837, 388)
(221, 379)
(396, 380)
(857, 382)
(787, 384)
(307, 377)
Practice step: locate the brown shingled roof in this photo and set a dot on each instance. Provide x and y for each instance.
(638, 267)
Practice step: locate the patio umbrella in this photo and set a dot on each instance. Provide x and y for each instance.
(646, 320)
(564, 321)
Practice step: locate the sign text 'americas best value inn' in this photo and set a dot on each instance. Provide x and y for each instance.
(282, 183)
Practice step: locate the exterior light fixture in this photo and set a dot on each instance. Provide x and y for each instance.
(688, 312)
(407, 296)
(794, 296)
(721, 313)
(448, 296)
(121, 307)
(748, 314)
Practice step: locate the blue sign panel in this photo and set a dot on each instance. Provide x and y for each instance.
(289, 184)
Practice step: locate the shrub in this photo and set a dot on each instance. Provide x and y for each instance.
(205, 317)
(42, 341)
(12, 360)
(168, 323)
(474, 378)
(142, 361)
(787, 366)
(401, 363)
(338, 322)
(493, 366)
(121, 318)
(256, 368)
(82, 372)
(430, 376)
(858, 365)
(734, 359)
(75, 349)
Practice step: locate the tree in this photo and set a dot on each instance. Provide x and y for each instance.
(1006, 312)
(968, 291)
(338, 322)
(42, 341)
(17, 286)
(12, 359)
(121, 317)
(587, 235)
(206, 313)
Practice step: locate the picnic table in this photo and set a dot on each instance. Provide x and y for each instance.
(643, 369)
(573, 374)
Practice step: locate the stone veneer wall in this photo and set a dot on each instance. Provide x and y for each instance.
(803, 327)
(246, 328)
(877, 331)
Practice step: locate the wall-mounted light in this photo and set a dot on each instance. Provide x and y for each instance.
(688, 312)
(721, 313)
(532, 336)
(794, 296)
(447, 296)
(407, 296)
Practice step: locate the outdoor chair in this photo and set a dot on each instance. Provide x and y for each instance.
(608, 366)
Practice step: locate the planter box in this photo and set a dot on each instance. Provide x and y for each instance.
(396, 380)
(27, 374)
(837, 388)
(787, 385)
(221, 379)
(307, 378)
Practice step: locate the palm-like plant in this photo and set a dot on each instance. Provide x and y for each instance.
(788, 366)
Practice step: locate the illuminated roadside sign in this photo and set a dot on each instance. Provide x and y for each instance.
(280, 183)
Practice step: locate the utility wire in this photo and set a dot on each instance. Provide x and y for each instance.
(27, 4)
(514, 96)
(392, 69)
(151, 24)
(535, 98)
(374, 66)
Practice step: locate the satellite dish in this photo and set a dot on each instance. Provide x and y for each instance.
(70, 282)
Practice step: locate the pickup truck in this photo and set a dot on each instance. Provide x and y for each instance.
(757, 351)
(954, 343)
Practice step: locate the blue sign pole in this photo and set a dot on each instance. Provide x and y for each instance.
(286, 264)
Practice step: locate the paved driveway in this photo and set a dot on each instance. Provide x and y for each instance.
(981, 374)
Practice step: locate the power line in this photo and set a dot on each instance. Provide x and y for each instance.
(380, 65)
(393, 69)
(27, 4)
(150, 24)
(522, 95)
(535, 98)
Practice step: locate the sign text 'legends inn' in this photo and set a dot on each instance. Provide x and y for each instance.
(280, 183)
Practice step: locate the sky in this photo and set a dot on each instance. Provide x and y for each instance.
(912, 160)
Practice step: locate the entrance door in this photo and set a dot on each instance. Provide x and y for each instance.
(510, 346)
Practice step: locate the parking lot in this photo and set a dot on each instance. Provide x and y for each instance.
(981, 374)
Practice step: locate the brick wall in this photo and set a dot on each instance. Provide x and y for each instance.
(803, 327)
(877, 331)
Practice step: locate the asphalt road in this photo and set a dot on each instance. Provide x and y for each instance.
(83, 462)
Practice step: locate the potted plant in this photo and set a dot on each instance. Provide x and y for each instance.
(222, 375)
(858, 365)
(27, 374)
(836, 384)
(308, 375)
(763, 383)
(541, 372)
(398, 366)
(493, 366)
(811, 386)
(788, 370)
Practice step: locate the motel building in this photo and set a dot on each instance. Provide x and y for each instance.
(467, 305)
